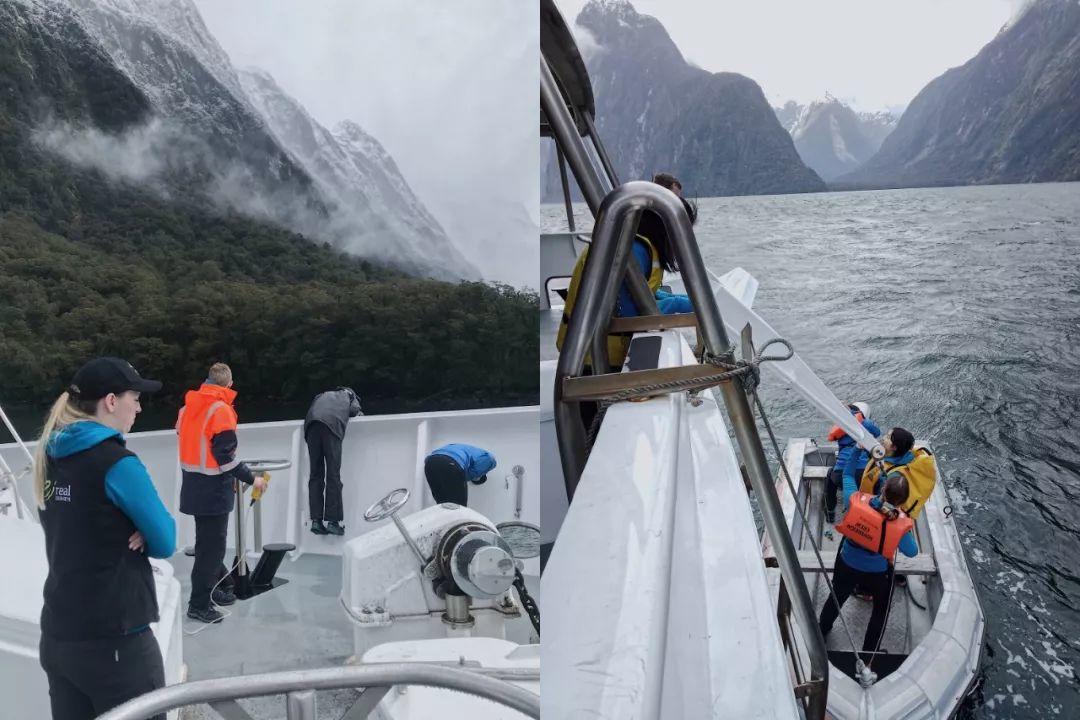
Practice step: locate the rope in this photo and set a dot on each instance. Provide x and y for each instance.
(750, 370)
(859, 666)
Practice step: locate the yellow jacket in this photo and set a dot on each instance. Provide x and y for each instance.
(921, 474)
(617, 344)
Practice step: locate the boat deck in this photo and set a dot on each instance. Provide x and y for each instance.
(299, 625)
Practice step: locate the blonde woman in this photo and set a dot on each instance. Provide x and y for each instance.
(102, 517)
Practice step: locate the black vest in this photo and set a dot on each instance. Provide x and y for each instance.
(96, 586)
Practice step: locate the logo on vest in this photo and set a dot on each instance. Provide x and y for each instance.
(62, 493)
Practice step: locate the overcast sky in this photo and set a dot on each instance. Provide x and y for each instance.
(450, 88)
(874, 54)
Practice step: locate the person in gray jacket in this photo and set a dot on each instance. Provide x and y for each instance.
(324, 429)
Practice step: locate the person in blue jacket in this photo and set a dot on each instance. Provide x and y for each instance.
(846, 447)
(451, 468)
(102, 517)
(857, 566)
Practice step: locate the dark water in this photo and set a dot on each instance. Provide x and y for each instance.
(954, 312)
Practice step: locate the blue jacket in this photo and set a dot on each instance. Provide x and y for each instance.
(127, 485)
(859, 558)
(667, 303)
(847, 447)
(476, 462)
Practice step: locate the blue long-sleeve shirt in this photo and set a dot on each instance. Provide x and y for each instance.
(668, 303)
(859, 558)
(846, 446)
(476, 462)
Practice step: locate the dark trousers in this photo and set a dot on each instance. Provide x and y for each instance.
(833, 484)
(211, 532)
(447, 480)
(324, 451)
(845, 578)
(89, 677)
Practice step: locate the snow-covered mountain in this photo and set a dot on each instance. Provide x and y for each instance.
(657, 112)
(1008, 115)
(369, 198)
(832, 138)
(252, 148)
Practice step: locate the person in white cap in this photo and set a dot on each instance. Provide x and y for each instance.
(846, 445)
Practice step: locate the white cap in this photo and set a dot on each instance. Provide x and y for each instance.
(863, 408)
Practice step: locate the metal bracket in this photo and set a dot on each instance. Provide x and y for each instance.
(651, 323)
(600, 387)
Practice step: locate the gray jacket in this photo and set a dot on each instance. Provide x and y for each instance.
(333, 409)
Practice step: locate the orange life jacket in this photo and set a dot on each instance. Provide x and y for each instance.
(206, 412)
(871, 529)
(836, 432)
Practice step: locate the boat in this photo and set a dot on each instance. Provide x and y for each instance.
(339, 614)
(664, 597)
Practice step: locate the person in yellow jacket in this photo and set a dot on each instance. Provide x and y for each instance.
(652, 255)
(915, 464)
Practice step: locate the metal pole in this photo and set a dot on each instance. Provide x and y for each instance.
(601, 363)
(600, 151)
(408, 538)
(257, 526)
(357, 676)
(576, 154)
(716, 342)
(300, 705)
(565, 189)
(566, 135)
(15, 434)
(241, 567)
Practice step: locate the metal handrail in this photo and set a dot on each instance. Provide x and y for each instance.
(297, 684)
(616, 220)
(606, 263)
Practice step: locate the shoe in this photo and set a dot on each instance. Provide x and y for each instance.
(864, 596)
(208, 616)
(901, 580)
(335, 528)
(223, 597)
(318, 528)
(830, 516)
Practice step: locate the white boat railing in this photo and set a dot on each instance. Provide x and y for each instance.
(299, 687)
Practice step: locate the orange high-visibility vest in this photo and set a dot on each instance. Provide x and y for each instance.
(206, 412)
(871, 529)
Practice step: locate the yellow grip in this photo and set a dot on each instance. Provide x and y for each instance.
(257, 492)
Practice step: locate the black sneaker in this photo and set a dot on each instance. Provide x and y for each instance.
(223, 597)
(335, 528)
(208, 615)
(318, 528)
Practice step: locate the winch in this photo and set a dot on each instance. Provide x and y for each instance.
(446, 564)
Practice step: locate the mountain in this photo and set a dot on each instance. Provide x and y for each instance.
(250, 147)
(360, 180)
(656, 112)
(108, 258)
(1008, 115)
(832, 138)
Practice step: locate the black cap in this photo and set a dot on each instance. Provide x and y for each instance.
(105, 375)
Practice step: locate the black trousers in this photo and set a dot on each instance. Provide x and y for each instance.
(833, 483)
(211, 532)
(324, 450)
(845, 578)
(89, 677)
(447, 480)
